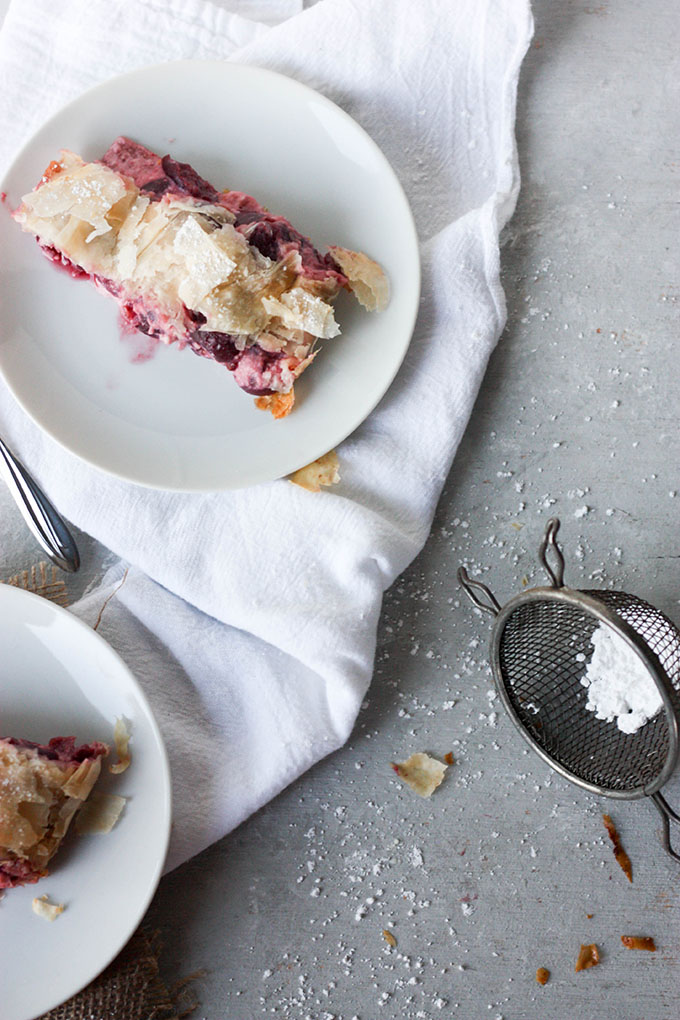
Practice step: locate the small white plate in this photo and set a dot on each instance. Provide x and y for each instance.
(59, 678)
(177, 421)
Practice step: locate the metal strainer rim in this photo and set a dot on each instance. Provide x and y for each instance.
(603, 614)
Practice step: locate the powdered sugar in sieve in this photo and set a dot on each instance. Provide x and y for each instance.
(620, 688)
(549, 643)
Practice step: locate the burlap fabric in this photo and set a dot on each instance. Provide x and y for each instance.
(130, 988)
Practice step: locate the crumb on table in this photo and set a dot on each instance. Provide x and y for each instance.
(620, 854)
(589, 956)
(639, 942)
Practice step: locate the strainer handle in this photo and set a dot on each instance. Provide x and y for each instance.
(549, 542)
(668, 815)
(470, 587)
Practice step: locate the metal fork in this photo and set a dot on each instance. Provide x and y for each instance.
(44, 522)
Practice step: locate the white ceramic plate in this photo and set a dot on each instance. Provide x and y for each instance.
(59, 678)
(177, 421)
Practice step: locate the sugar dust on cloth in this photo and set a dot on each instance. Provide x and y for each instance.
(620, 687)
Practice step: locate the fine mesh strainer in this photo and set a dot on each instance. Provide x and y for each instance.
(540, 648)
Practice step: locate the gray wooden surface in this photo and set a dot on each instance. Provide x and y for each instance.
(497, 873)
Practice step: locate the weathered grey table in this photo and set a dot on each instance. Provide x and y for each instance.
(507, 867)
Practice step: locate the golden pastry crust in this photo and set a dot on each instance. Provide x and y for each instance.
(100, 813)
(280, 404)
(366, 279)
(421, 772)
(38, 798)
(622, 858)
(589, 956)
(121, 739)
(323, 471)
(645, 942)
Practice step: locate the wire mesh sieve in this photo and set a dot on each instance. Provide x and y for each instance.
(540, 648)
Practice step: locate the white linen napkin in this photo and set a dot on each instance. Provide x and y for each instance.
(254, 674)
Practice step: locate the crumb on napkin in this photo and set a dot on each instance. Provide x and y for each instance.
(322, 471)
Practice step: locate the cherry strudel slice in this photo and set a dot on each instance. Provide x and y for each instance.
(41, 788)
(211, 269)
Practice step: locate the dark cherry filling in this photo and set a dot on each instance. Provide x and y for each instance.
(136, 161)
(61, 749)
(108, 285)
(220, 346)
(157, 187)
(250, 365)
(62, 261)
(17, 872)
(254, 365)
(273, 236)
(139, 318)
(187, 181)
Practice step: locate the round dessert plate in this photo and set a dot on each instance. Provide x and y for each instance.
(61, 679)
(161, 416)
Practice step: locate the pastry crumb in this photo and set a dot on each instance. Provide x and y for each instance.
(389, 938)
(121, 738)
(99, 814)
(280, 404)
(542, 975)
(43, 908)
(321, 472)
(421, 772)
(365, 278)
(622, 858)
(639, 942)
(589, 956)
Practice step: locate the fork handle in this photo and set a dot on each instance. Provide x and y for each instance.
(43, 521)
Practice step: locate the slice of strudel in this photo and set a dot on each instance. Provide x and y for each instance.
(41, 788)
(211, 269)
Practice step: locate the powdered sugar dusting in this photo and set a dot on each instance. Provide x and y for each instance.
(620, 687)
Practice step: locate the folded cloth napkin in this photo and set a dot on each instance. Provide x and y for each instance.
(256, 652)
